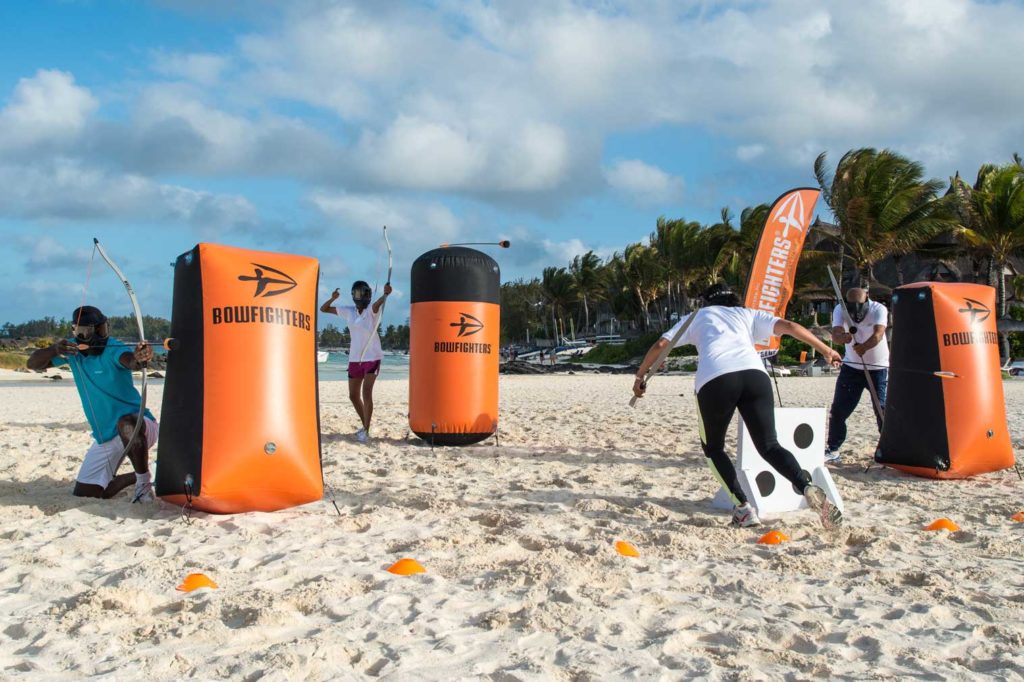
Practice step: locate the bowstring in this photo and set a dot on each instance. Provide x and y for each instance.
(81, 364)
(379, 269)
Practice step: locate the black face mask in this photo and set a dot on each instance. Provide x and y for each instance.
(857, 310)
(361, 297)
(95, 342)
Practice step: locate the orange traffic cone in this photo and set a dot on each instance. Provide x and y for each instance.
(626, 549)
(406, 567)
(943, 524)
(193, 581)
(773, 537)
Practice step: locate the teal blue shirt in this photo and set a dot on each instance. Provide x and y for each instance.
(105, 387)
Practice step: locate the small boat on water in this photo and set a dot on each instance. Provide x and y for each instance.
(322, 355)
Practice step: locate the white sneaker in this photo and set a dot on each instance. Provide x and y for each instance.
(831, 517)
(144, 493)
(832, 456)
(744, 516)
(362, 436)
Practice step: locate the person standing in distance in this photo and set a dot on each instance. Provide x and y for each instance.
(364, 352)
(866, 349)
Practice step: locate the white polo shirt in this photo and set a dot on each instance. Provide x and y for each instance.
(875, 358)
(363, 337)
(725, 338)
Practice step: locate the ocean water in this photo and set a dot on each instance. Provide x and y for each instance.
(336, 367)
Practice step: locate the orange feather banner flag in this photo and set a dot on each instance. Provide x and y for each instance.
(770, 285)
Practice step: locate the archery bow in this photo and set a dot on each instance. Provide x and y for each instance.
(849, 323)
(380, 313)
(140, 419)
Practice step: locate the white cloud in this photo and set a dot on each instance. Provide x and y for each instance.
(199, 67)
(47, 253)
(442, 87)
(511, 103)
(427, 154)
(47, 107)
(749, 152)
(414, 226)
(532, 250)
(562, 253)
(643, 182)
(66, 189)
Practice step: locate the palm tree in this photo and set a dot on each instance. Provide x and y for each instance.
(737, 254)
(664, 240)
(992, 222)
(643, 273)
(588, 279)
(621, 300)
(686, 256)
(557, 287)
(711, 241)
(882, 206)
(519, 309)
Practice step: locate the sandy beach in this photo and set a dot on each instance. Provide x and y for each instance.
(522, 580)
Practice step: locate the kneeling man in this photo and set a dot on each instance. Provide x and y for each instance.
(102, 368)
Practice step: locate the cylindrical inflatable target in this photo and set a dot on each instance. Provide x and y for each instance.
(453, 346)
(240, 426)
(953, 426)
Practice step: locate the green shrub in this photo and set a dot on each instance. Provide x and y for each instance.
(12, 360)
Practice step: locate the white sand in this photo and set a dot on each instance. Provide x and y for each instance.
(522, 582)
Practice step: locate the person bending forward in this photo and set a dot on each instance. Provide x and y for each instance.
(731, 376)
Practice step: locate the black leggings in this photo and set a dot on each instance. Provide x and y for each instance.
(750, 391)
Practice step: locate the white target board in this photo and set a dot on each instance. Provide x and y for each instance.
(801, 430)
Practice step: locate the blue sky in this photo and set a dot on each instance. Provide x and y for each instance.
(563, 126)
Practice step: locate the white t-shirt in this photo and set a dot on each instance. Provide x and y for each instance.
(877, 357)
(725, 338)
(362, 328)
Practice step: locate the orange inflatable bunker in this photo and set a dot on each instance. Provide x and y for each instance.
(453, 346)
(951, 427)
(240, 425)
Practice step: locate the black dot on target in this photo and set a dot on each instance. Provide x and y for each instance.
(765, 483)
(803, 436)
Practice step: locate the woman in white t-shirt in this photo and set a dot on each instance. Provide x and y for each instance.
(364, 352)
(731, 376)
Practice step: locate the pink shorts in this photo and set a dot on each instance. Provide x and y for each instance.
(358, 370)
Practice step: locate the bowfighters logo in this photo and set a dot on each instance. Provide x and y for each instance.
(790, 213)
(467, 324)
(976, 309)
(269, 286)
(978, 312)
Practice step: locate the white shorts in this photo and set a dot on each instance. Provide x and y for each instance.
(103, 459)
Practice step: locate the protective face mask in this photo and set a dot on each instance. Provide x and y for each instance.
(857, 310)
(83, 332)
(361, 298)
(95, 342)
